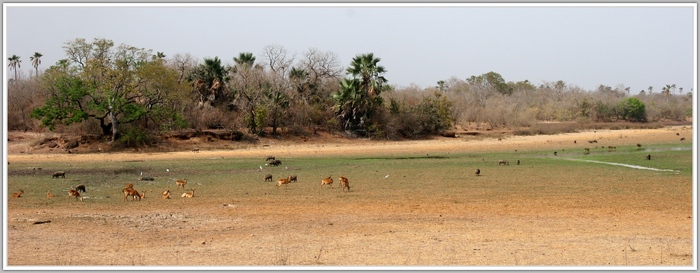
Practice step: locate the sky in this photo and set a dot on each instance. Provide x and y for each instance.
(584, 45)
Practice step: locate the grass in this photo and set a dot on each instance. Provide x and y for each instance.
(421, 176)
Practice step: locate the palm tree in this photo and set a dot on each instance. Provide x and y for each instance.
(299, 78)
(650, 89)
(36, 61)
(667, 89)
(359, 98)
(14, 63)
(245, 61)
(366, 69)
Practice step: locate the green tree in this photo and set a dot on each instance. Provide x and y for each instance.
(491, 80)
(209, 81)
(358, 98)
(36, 61)
(115, 86)
(14, 63)
(632, 109)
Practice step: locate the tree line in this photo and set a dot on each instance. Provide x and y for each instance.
(130, 95)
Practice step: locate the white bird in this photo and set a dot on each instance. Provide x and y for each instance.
(286, 168)
(387, 176)
(261, 167)
(141, 173)
(167, 170)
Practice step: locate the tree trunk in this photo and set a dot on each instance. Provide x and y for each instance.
(115, 126)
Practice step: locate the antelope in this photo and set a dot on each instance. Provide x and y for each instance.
(49, 194)
(503, 162)
(75, 193)
(131, 192)
(195, 150)
(188, 194)
(58, 173)
(268, 178)
(181, 183)
(166, 194)
(293, 178)
(327, 181)
(18, 194)
(344, 183)
(283, 181)
(80, 188)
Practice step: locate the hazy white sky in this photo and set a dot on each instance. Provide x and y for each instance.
(583, 45)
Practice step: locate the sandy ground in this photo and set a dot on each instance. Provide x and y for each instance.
(417, 232)
(339, 146)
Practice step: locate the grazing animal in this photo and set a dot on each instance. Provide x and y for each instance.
(283, 181)
(75, 193)
(275, 162)
(639, 145)
(133, 193)
(503, 162)
(517, 162)
(344, 183)
(80, 188)
(146, 178)
(268, 178)
(682, 139)
(166, 194)
(612, 147)
(648, 157)
(181, 183)
(327, 181)
(270, 158)
(574, 141)
(293, 178)
(18, 194)
(588, 150)
(49, 194)
(593, 141)
(188, 194)
(678, 134)
(555, 153)
(58, 173)
(195, 150)
(477, 172)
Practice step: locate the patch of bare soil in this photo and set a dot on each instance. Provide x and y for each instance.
(418, 231)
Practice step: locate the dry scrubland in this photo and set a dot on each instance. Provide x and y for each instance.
(431, 210)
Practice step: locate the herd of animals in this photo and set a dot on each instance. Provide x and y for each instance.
(129, 190)
(586, 151)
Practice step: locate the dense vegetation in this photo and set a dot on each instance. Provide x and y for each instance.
(131, 95)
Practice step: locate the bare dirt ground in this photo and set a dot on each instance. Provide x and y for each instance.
(417, 232)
